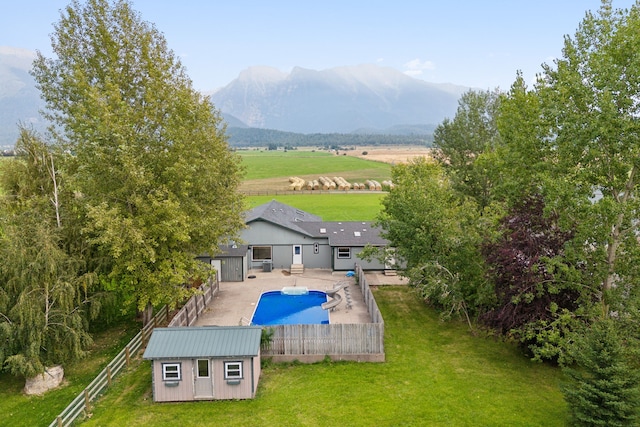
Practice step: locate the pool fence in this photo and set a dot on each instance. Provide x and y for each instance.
(363, 342)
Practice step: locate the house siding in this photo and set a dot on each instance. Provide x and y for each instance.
(180, 393)
(342, 264)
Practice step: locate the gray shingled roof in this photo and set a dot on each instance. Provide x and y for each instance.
(344, 233)
(203, 341)
(283, 215)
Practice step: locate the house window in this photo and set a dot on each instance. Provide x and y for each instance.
(344, 253)
(232, 370)
(203, 368)
(171, 372)
(261, 253)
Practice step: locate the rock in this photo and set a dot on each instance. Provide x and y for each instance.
(51, 378)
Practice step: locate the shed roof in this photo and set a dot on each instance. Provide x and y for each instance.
(204, 341)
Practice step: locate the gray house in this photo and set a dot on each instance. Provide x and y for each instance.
(282, 236)
(204, 363)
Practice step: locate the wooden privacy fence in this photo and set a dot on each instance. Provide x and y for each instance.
(82, 403)
(360, 341)
(189, 313)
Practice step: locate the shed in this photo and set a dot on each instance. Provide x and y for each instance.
(204, 363)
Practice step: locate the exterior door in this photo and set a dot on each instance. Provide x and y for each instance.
(203, 378)
(297, 254)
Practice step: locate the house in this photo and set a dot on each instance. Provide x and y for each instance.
(282, 236)
(204, 363)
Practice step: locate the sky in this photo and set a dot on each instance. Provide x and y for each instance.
(473, 43)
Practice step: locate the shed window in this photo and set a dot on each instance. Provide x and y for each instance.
(171, 372)
(344, 253)
(261, 253)
(232, 370)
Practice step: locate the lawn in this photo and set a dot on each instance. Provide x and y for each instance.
(436, 374)
(19, 409)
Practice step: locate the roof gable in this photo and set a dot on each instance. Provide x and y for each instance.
(280, 214)
(204, 341)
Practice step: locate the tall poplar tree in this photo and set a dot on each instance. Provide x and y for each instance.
(589, 101)
(147, 158)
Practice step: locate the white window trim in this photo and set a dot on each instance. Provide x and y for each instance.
(178, 371)
(348, 256)
(237, 376)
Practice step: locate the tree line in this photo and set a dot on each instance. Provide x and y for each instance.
(254, 137)
(526, 224)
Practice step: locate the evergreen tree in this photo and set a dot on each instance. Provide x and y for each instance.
(604, 388)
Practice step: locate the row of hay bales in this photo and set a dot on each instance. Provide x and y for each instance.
(335, 183)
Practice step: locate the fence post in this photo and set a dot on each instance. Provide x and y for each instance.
(108, 375)
(86, 401)
(127, 354)
(59, 419)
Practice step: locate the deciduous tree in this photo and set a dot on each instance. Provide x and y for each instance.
(147, 154)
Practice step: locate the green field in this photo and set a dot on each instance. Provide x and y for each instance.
(351, 206)
(308, 164)
(436, 374)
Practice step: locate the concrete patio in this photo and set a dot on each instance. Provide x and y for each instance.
(236, 301)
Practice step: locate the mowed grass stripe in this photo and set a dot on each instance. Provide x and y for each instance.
(347, 206)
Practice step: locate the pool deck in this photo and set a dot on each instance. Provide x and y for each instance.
(236, 301)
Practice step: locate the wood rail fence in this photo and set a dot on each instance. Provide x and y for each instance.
(309, 343)
(189, 313)
(81, 405)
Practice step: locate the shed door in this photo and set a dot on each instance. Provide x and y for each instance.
(232, 270)
(203, 386)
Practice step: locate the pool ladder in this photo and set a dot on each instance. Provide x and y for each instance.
(244, 321)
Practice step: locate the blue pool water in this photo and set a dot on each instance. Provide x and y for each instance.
(276, 308)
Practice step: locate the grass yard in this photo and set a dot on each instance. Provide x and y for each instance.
(435, 375)
(18, 410)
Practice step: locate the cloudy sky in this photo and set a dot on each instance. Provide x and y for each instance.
(476, 43)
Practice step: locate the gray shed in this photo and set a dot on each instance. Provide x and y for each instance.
(204, 363)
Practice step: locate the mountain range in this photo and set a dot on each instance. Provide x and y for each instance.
(19, 98)
(363, 99)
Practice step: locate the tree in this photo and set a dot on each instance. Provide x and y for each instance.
(46, 294)
(147, 156)
(463, 143)
(436, 236)
(536, 298)
(603, 387)
(589, 102)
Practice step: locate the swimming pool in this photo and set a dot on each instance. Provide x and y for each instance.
(289, 308)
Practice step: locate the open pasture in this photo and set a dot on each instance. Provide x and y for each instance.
(270, 170)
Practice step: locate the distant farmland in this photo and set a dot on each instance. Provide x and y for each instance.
(271, 170)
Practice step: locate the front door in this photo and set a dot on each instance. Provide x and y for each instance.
(297, 254)
(203, 379)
